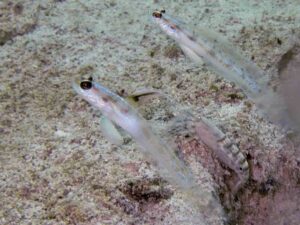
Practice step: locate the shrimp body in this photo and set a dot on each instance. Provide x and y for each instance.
(206, 132)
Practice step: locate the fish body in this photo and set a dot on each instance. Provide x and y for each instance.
(121, 113)
(168, 165)
(214, 52)
(222, 58)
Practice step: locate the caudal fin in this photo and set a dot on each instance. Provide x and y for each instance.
(274, 107)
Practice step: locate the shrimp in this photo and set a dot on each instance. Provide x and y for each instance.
(209, 134)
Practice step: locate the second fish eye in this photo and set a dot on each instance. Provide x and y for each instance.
(86, 85)
(157, 14)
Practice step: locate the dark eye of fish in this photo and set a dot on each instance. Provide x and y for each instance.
(157, 14)
(86, 85)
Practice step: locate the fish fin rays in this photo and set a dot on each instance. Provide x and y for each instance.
(110, 131)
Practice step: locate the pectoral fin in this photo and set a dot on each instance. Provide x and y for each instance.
(191, 54)
(110, 131)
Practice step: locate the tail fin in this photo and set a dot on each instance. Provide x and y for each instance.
(283, 107)
(274, 108)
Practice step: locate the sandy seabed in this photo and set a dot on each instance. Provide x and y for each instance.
(56, 166)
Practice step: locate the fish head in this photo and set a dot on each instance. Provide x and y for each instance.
(111, 105)
(94, 93)
(166, 24)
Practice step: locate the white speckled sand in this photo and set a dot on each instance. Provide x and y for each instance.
(56, 166)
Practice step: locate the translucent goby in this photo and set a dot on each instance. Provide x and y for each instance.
(168, 165)
(226, 61)
(121, 113)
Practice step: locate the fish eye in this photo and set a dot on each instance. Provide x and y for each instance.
(163, 11)
(86, 85)
(157, 14)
